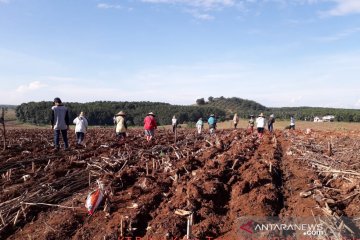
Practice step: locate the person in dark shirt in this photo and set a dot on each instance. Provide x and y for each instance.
(60, 123)
(271, 123)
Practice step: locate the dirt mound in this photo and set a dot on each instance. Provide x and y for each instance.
(219, 179)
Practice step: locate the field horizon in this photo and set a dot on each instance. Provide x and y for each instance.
(12, 122)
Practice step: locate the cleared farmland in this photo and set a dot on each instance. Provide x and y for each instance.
(219, 179)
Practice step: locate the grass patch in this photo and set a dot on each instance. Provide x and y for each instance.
(10, 115)
(323, 126)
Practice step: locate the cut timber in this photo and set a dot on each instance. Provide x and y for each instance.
(182, 212)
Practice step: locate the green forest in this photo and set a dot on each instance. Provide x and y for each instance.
(102, 112)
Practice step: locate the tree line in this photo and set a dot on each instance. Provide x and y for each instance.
(244, 108)
(309, 113)
(102, 112)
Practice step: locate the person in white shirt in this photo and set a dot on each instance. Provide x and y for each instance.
(292, 122)
(260, 124)
(235, 120)
(80, 128)
(174, 123)
(199, 125)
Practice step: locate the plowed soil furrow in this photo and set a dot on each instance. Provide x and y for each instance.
(203, 190)
(256, 193)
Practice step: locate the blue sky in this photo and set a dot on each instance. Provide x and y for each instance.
(277, 52)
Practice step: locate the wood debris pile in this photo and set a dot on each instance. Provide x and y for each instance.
(338, 186)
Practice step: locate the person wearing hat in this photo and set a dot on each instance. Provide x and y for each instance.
(60, 123)
(212, 123)
(260, 124)
(121, 126)
(81, 125)
(149, 126)
(199, 125)
(251, 123)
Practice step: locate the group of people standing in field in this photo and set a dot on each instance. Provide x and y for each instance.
(261, 122)
(60, 124)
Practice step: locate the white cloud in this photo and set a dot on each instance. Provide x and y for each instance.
(338, 36)
(341, 8)
(344, 7)
(296, 99)
(60, 79)
(357, 104)
(30, 87)
(202, 16)
(209, 4)
(213, 4)
(108, 6)
(200, 8)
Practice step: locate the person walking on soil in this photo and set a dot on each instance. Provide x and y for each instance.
(292, 122)
(199, 125)
(235, 120)
(260, 124)
(81, 125)
(60, 123)
(271, 123)
(174, 123)
(121, 126)
(212, 123)
(251, 123)
(150, 126)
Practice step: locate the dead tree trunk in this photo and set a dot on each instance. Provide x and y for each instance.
(2, 121)
(175, 135)
(329, 152)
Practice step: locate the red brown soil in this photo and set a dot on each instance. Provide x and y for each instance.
(218, 178)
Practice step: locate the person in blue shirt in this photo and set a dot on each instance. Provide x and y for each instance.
(212, 123)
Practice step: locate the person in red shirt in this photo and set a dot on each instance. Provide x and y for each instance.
(150, 126)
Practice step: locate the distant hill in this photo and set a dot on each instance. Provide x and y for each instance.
(233, 105)
(242, 107)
